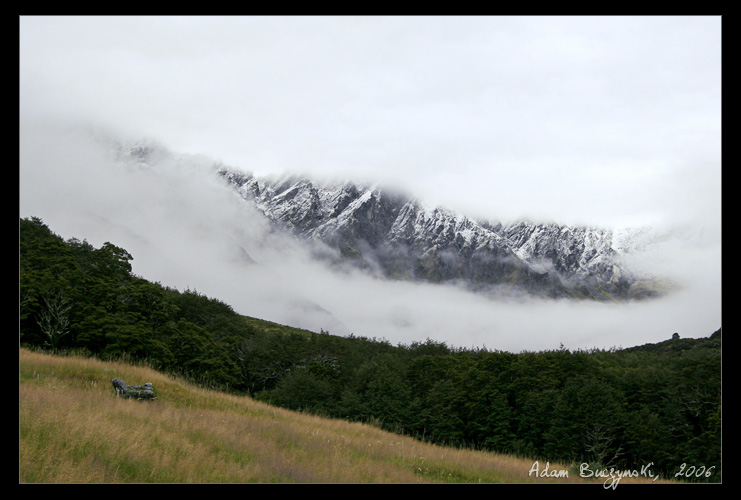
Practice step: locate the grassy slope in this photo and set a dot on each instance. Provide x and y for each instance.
(74, 430)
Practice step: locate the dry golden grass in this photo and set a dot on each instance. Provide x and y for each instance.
(74, 430)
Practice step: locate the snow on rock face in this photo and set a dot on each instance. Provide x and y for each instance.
(585, 251)
(405, 238)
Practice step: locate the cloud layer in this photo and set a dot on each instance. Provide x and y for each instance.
(607, 121)
(187, 230)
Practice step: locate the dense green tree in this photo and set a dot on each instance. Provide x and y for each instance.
(532, 422)
(46, 266)
(300, 389)
(378, 390)
(93, 326)
(588, 422)
(487, 409)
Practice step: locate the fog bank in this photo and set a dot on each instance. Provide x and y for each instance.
(188, 230)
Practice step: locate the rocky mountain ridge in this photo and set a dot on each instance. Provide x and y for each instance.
(396, 236)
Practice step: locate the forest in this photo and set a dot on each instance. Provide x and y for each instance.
(657, 404)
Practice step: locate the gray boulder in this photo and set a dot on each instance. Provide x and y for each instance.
(146, 391)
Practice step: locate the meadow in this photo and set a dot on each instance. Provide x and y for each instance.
(73, 429)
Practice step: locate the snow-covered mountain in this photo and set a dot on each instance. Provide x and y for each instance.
(396, 236)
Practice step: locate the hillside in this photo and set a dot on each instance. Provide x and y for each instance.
(658, 404)
(73, 429)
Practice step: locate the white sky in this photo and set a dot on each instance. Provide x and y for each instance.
(570, 118)
(606, 121)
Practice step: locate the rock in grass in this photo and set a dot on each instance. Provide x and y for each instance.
(145, 391)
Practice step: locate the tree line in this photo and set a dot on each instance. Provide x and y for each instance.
(624, 408)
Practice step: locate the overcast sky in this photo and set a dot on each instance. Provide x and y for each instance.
(607, 121)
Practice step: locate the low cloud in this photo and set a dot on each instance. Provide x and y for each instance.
(186, 229)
